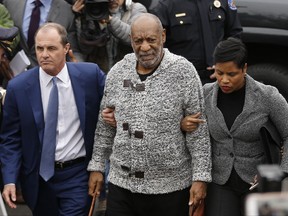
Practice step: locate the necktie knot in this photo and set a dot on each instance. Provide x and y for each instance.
(38, 3)
(54, 80)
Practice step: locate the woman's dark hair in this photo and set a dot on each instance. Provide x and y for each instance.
(232, 49)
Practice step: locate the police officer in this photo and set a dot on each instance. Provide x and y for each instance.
(194, 27)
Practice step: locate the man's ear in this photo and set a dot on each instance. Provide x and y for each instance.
(245, 68)
(164, 35)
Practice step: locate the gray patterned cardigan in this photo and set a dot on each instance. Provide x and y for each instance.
(148, 152)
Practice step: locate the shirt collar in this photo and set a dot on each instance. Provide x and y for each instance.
(62, 75)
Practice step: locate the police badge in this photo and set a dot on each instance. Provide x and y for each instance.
(232, 5)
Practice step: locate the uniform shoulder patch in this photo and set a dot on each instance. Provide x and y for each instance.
(232, 5)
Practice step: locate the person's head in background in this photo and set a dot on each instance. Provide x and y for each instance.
(51, 46)
(230, 57)
(2, 54)
(147, 40)
(115, 5)
(9, 40)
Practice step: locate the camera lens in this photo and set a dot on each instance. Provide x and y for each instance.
(97, 11)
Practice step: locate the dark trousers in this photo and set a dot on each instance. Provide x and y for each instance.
(66, 194)
(227, 199)
(122, 202)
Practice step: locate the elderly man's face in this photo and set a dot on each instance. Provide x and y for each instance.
(147, 40)
(50, 52)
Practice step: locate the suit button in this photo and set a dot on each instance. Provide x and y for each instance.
(231, 154)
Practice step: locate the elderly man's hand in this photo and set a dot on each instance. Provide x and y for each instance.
(96, 181)
(197, 195)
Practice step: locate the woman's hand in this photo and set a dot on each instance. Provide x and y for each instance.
(191, 122)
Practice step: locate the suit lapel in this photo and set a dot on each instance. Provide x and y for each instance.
(216, 113)
(250, 102)
(78, 86)
(34, 96)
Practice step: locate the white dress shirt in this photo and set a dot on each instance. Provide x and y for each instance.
(69, 138)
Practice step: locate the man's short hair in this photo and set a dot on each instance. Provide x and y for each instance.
(59, 28)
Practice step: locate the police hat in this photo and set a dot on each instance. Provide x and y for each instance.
(9, 39)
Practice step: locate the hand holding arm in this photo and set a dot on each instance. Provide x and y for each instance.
(191, 122)
(108, 116)
(9, 195)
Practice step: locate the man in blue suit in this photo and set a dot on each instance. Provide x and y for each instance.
(80, 88)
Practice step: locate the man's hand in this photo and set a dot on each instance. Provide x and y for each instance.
(78, 6)
(213, 75)
(108, 116)
(9, 195)
(197, 195)
(96, 181)
(191, 122)
(72, 56)
(106, 21)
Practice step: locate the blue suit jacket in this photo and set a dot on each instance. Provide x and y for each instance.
(23, 122)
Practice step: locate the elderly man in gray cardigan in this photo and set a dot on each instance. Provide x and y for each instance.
(152, 162)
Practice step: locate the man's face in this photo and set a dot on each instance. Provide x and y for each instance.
(50, 52)
(114, 5)
(147, 41)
